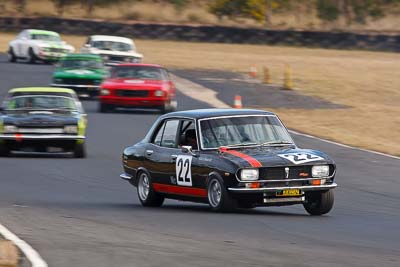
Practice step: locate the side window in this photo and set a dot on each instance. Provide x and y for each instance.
(158, 136)
(169, 135)
(187, 134)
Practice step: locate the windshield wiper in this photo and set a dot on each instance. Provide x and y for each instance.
(277, 143)
(240, 144)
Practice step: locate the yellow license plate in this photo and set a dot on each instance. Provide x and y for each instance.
(289, 193)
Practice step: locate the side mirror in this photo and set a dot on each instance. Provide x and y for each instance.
(189, 150)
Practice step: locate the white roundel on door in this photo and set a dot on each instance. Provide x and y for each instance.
(184, 170)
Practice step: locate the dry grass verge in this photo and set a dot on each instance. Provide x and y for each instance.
(8, 254)
(368, 82)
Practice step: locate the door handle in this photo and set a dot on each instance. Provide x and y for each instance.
(149, 152)
(173, 157)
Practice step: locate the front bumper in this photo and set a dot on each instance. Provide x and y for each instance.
(141, 102)
(79, 88)
(50, 55)
(304, 188)
(20, 137)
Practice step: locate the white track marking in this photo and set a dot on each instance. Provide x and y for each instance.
(29, 252)
(207, 95)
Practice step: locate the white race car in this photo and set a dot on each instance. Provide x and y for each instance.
(113, 49)
(33, 45)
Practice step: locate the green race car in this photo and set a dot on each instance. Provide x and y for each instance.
(81, 72)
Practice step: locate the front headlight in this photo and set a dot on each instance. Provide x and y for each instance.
(105, 58)
(320, 171)
(58, 80)
(10, 129)
(104, 92)
(97, 82)
(71, 129)
(249, 175)
(44, 49)
(159, 93)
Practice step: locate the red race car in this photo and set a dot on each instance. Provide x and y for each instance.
(138, 86)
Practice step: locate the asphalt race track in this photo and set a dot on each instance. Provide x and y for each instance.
(77, 212)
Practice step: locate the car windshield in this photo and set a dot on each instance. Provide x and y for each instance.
(81, 64)
(243, 131)
(45, 37)
(138, 72)
(113, 46)
(41, 102)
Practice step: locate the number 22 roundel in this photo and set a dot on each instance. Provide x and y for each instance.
(184, 170)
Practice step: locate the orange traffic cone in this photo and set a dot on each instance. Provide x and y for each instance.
(237, 103)
(253, 71)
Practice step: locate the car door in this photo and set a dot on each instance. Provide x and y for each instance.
(160, 153)
(191, 166)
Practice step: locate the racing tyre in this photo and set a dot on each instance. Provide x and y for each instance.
(31, 56)
(79, 151)
(11, 55)
(218, 197)
(147, 196)
(4, 151)
(319, 203)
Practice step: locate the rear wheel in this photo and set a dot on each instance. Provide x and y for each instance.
(80, 150)
(147, 196)
(11, 55)
(218, 197)
(319, 203)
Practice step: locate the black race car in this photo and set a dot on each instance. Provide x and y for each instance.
(42, 120)
(228, 158)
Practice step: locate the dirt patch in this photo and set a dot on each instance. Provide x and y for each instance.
(253, 92)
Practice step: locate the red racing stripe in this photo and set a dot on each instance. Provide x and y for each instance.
(180, 190)
(252, 161)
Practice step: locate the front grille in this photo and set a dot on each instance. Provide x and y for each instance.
(132, 93)
(278, 173)
(41, 130)
(39, 123)
(78, 81)
(56, 50)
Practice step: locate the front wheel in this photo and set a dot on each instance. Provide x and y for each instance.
(11, 55)
(79, 151)
(4, 150)
(319, 203)
(103, 108)
(218, 197)
(147, 196)
(31, 56)
(170, 106)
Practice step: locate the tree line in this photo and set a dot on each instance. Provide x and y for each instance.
(261, 10)
(327, 10)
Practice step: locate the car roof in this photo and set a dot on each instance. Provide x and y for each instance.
(82, 56)
(35, 31)
(41, 89)
(216, 112)
(111, 38)
(138, 64)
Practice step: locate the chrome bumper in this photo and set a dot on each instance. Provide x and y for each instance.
(88, 86)
(125, 176)
(304, 188)
(41, 137)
